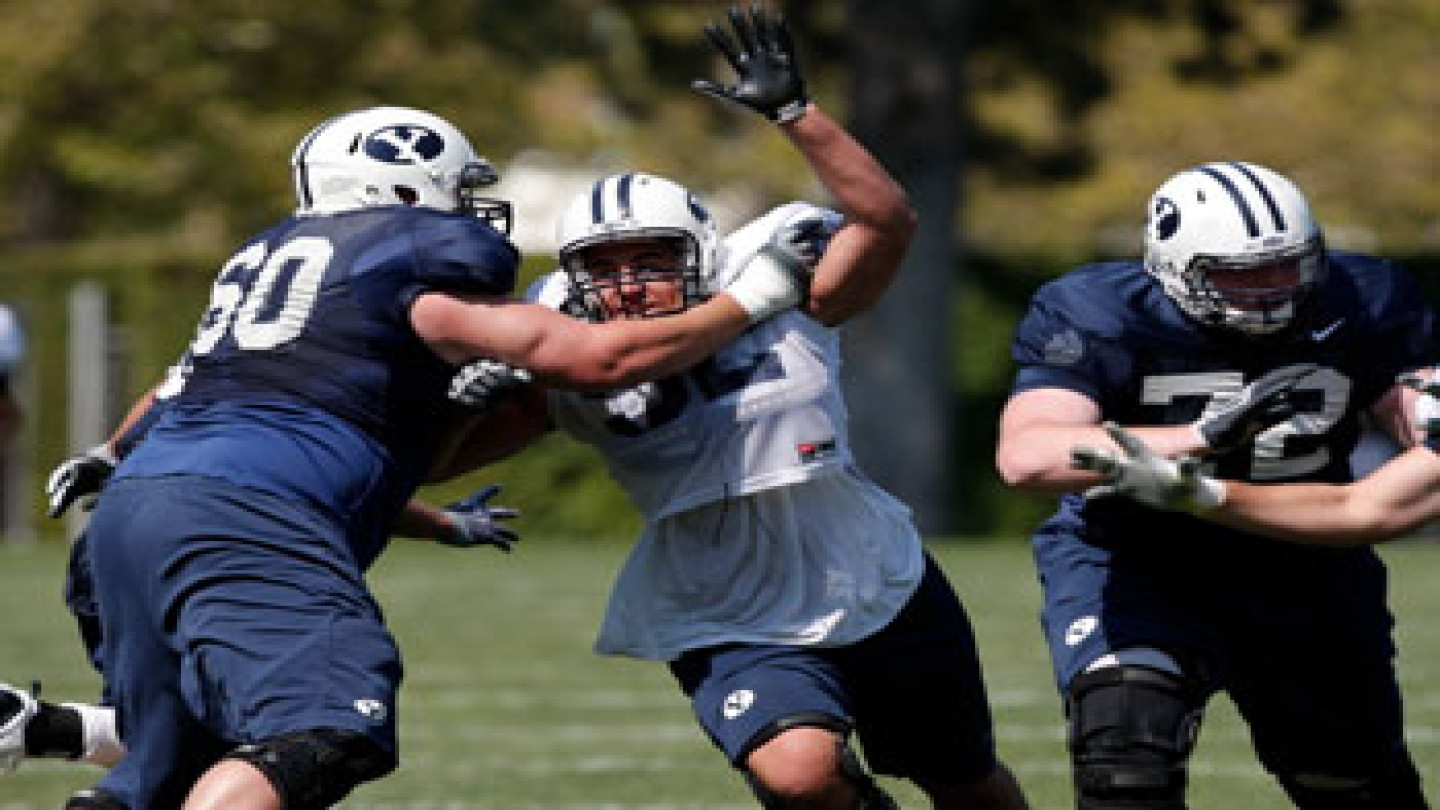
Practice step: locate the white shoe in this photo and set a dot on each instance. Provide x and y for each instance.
(12, 727)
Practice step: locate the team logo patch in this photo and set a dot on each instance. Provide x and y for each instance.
(373, 710)
(736, 703)
(814, 451)
(1080, 629)
(1165, 218)
(1064, 348)
(404, 145)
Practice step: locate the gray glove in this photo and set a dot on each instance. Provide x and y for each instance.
(1143, 476)
(762, 54)
(79, 476)
(476, 524)
(1262, 404)
(482, 384)
(1427, 408)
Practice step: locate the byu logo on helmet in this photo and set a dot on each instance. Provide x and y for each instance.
(404, 144)
(1166, 218)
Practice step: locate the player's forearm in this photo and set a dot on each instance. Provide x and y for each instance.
(137, 412)
(421, 521)
(1312, 514)
(497, 435)
(862, 189)
(1398, 498)
(619, 354)
(1036, 459)
(863, 258)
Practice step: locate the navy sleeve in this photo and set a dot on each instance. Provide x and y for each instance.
(433, 253)
(1398, 333)
(463, 254)
(1054, 347)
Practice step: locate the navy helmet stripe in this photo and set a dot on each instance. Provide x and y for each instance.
(623, 192)
(1265, 195)
(302, 166)
(597, 201)
(622, 197)
(1251, 226)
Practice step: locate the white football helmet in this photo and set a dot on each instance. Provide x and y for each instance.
(637, 206)
(1234, 245)
(393, 156)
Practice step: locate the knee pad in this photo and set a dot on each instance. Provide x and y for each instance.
(869, 795)
(1131, 731)
(1396, 788)
(94, 800)
(314, 769)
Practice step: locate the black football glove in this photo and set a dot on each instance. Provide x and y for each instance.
(767, 73)
(1262, 404)
(78, 477)
(476, 524)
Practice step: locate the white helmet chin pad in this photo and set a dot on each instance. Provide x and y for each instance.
(1236, 222)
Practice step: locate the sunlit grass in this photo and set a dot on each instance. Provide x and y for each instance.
(505, 707)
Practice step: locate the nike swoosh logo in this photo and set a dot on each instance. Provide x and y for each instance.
(1326, 331)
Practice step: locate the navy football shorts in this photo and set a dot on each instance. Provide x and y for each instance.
(913, 692)
(1305, 654)
(229, 616)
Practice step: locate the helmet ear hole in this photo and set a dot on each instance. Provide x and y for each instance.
(406, 194)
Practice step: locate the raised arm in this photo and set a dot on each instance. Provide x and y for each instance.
(864, 255)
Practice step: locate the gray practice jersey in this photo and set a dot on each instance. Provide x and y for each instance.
(758, 526)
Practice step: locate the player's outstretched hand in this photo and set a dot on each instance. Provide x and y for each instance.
(1143, 476)
(477, 524)
(767, 74)
(482, 384)
(1264, 403)
(79, 476)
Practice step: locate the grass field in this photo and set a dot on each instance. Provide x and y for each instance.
(504, 707)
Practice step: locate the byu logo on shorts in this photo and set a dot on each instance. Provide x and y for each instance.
(1080, 629)
(737, 702)
(372, 709)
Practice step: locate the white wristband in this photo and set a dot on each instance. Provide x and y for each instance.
(101, 738)
(1209, 494)
(764, 288)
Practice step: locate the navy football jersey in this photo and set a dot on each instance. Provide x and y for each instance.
(305, 377)
(1109, 332)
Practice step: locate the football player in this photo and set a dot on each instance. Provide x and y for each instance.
(249, 664)
(1239, 339)
(788, 594)
(1397, 498)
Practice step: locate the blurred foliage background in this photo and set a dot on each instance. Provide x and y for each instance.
(140, 140)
